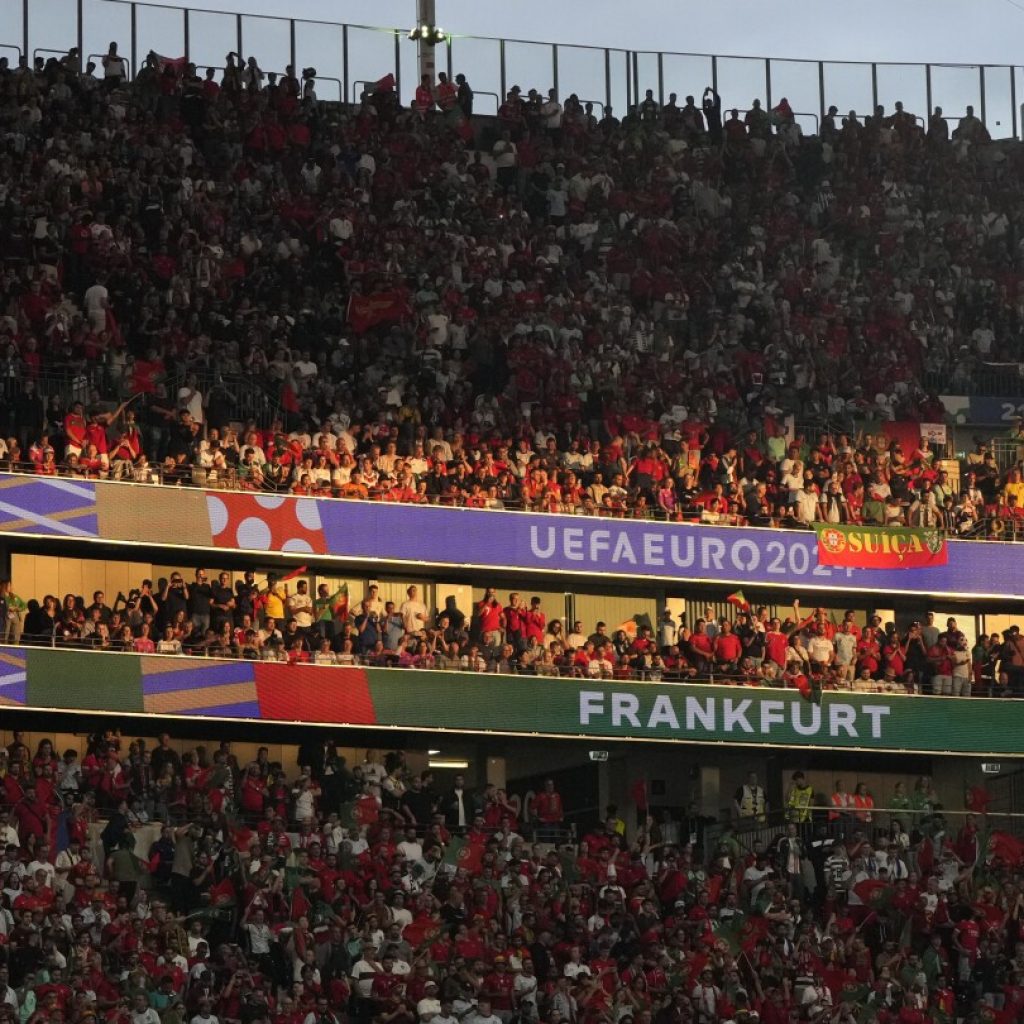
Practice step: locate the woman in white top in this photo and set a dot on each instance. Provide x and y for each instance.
(346, 656)
(305, 800)
(793, 481)
(115, 70)
(252, 76)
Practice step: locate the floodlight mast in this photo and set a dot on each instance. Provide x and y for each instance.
(426, 14)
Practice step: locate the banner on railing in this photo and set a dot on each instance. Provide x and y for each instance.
(532, 543)
(880, 547)
(44, 678)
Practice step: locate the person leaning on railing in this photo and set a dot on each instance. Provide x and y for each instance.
(810, 651)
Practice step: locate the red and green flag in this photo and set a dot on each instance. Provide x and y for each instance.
(737, 600)
(729, 936)
(335, 606)
(874, 893)
(880, 547)
(421, 932)
(854, 993)
(462, 853)
(364, 811)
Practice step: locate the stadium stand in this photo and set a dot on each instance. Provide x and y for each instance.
(556, 312)
(209, 617)
(212, 890)
(552, 312)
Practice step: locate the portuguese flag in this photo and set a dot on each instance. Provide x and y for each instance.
(464, 854)
(875, 893)
(737, 600)
(880, 547)
(335, 606)
(363, 811)
(421, 932)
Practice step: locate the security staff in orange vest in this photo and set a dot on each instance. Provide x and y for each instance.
(841, 802)
(864, 803)
(447, 94)
(424, 100)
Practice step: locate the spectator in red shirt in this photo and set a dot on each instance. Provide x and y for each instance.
(490, 619)
(727, 648)
(547, 810)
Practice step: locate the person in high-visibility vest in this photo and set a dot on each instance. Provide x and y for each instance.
(864, 803)
(841, 802)
(750, 801)
(423, 101)
(799, 800)
(447, 94)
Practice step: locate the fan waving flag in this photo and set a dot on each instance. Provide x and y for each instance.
(464, 854)
(261, 597)
(364, 811)
(727, 936)
(1006, 848)
(177, 64)
(335, 606)
(421, 932)
(874, 893)
(853, 993)
(807, 688)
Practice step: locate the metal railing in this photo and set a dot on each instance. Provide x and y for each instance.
(798, 114)
(494, 96)
(750, 831)
(247, 396)
(485, 661)
(1004, 382)
(620, 76)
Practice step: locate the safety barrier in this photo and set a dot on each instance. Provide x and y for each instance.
(360, 52)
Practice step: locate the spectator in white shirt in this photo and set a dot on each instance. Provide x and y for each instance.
(410, 847)
(413, 612)
(364, 969)
(322, 1014)
(300, 605)
(8, 833)
(142, 1013)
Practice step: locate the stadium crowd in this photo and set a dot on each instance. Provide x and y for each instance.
(557, 312)
(220, 892)
(285, 622)
(654, 295)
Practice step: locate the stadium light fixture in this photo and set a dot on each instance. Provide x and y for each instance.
(432, 35)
